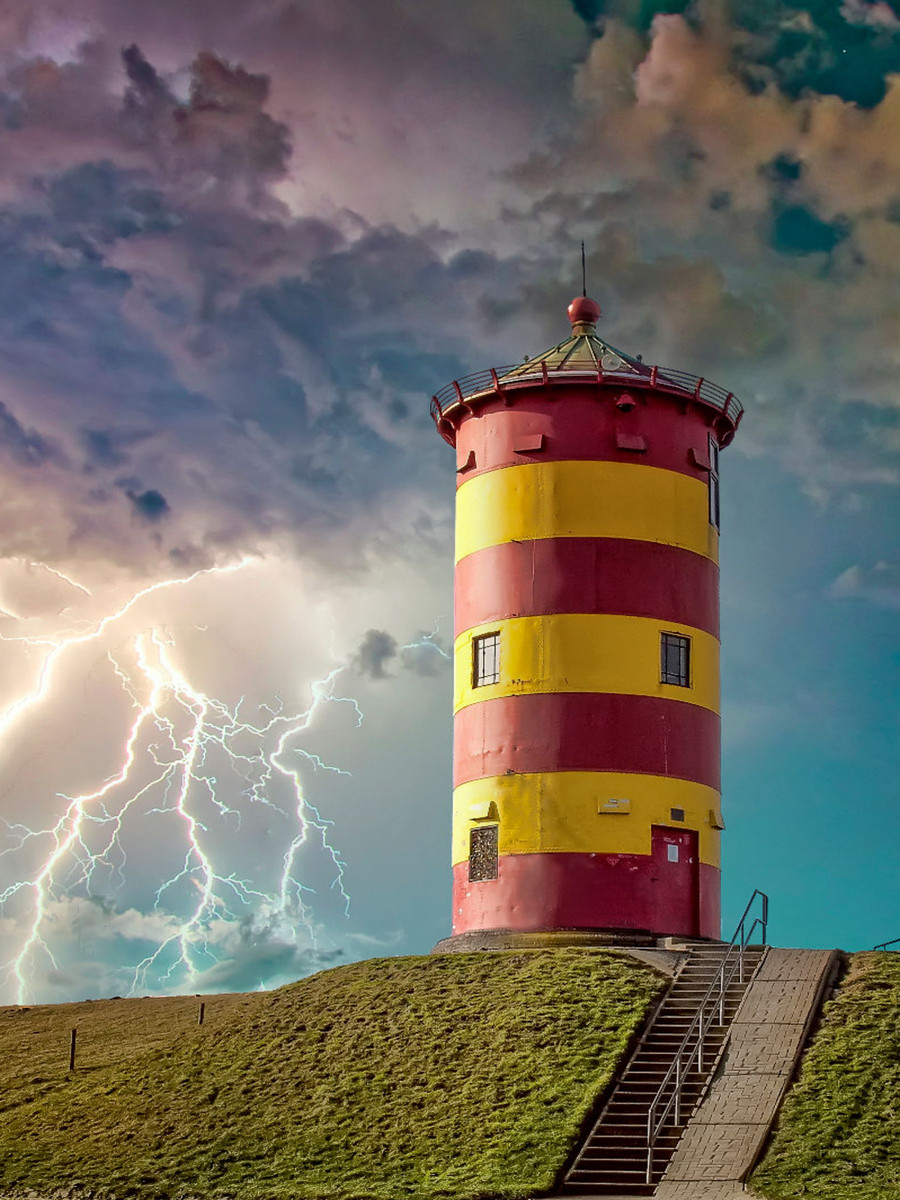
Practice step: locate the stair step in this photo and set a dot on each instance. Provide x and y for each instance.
(653, 1079)
(644, 1093)
(621, 1189)
(659, 1054)
(599, 1140)
(616, 1158)
(636, 1148)
(665, 1039)
(635, 1175)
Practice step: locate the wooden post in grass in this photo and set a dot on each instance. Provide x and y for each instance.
(72, 1050)
(202, 1011)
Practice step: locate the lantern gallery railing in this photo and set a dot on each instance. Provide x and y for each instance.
(500, 380)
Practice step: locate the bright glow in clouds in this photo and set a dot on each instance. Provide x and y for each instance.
(196, 779)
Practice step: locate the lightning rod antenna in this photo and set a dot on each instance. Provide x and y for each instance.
(583, 273)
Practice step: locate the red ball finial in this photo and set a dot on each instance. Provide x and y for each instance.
(583, 311)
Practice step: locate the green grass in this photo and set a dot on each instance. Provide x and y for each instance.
(464, 1075)
(838, 1135)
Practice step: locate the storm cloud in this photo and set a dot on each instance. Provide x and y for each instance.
(242, 243)
(376, 650)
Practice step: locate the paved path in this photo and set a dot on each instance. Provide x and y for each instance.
(721, 1143)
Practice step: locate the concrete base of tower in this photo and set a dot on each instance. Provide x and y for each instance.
(546, 939)
(665, 954)
(623, 895)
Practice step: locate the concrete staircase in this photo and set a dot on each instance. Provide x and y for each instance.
(612, 1160)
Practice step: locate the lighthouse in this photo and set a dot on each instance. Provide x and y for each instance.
(586, 790)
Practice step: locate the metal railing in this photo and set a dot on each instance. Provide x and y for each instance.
(711, 1012)
(884, 945)
(499, 379)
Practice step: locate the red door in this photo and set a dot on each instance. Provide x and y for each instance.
(675, 875)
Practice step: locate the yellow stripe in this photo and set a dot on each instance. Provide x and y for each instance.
(556, 812)
(587, 652)
(584, 499)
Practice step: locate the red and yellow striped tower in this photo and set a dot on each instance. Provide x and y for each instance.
(586, 736)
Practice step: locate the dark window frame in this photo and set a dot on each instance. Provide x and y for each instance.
(677, 673)
(481, 677)
(714, 498)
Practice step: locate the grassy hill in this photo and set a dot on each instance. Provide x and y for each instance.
(457, 1076)
(838, 1135)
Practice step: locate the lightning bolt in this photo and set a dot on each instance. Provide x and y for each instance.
(177, 736)
(41, 566)
(428, 641)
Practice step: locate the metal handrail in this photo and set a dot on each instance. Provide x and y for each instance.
(884, 945)
(495, 379)
(683, 1061)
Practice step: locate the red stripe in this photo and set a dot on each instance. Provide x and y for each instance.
(587, 575)
(579, 891)
(580, 422)
(583, 731)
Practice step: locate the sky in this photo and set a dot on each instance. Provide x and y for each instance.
(241, 243)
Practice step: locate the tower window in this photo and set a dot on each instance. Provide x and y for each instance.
(485, 659)
(713, 482)
(484, 853)
(675, 660)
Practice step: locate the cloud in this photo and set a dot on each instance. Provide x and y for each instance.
(739, 228)
(26, 447)
(72, 919)
(864, 12)
(879, 584)
(222, 133)
(150, 505)
(242, 955)
(426, 656)
(269, 372)
(376, 649)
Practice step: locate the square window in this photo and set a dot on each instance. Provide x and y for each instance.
(672, 853)
(484, 853)
(677, 814)
(675, 660)
(485, 659)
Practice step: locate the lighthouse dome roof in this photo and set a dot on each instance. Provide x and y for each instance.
(584, 350)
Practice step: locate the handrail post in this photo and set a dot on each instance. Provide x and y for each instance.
(722, 993)
(678, 1090)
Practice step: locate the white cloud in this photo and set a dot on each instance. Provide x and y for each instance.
(878, 584)
(866, 12)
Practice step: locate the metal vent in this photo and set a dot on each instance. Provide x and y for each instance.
(484, 853)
